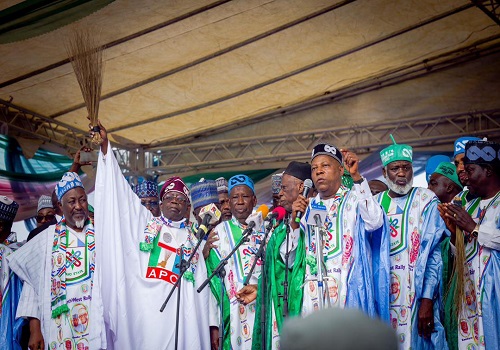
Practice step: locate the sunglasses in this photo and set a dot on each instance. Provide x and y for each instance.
(152, 204)
(40, 218)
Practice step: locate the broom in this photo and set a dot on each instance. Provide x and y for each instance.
(85, 54)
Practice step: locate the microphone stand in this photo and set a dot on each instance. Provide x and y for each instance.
(221, 272)
(183, 266)
(285, 282)
(322, 282)
(260, 254)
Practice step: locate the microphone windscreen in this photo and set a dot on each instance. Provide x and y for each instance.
(281, 213)
(212, 210)
(264, 209)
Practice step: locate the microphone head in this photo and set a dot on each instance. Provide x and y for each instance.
(308, 183)
(263, 209)
(255, 220)
(280, 213)
(212, 211)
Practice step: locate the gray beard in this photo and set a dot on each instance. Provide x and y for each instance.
(402, 190)
(80, 223)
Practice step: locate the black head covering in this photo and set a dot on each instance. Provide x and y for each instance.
(299, 170)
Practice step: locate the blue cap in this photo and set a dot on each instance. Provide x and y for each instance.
(461, 142)
(432, 164)
(241, 179)
(146, 189)
(203, 193)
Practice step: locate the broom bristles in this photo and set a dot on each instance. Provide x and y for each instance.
(85, 54)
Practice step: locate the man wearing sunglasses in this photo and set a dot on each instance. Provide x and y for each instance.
(45, 211)
(48, 213)
(147, 191)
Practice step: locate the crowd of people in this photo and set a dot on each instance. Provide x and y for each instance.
(411, 267)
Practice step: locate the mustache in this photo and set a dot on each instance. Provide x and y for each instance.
(400, 189)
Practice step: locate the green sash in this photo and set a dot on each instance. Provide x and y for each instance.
(275, 270)
(215, 285)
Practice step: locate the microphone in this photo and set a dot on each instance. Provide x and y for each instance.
(307, 187)
(278, 213)
(211, 215)
(256, 219)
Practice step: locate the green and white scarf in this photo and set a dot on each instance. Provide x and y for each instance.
(58, 275)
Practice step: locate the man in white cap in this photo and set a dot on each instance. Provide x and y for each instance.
(10, 284)
(58, 270)
(45, 211)
(223, 192)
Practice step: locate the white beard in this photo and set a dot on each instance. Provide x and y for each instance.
(402, 190)
(80, 223)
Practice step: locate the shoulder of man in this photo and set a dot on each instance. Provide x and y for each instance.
(39, 229)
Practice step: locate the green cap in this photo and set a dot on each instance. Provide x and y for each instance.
(448, 170)
(396, 152)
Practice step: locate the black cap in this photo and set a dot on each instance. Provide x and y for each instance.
(299, 170)
(482, 152)
(327, 150)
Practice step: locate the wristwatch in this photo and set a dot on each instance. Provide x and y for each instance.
(359, 181)
(475, 232)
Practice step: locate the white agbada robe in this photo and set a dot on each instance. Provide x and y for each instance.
(33, 264)
(131, 301)
(480, 256)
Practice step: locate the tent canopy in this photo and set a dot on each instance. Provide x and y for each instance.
(194, 71)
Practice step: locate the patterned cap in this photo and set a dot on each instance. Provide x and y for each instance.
(461, 142)
(432, 164)
(44, 202)
(146, 189)
(8, 208)
(68, 182)
(276, 183)
(482, 152)
(327, 150)
(222, 185)
(241, 179)
(396, 152)
(174, 184)
(203, 193)
(448, 170)
(301, 171)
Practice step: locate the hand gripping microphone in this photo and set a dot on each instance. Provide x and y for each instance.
(211, 215)
(256, 220)
(307, 187)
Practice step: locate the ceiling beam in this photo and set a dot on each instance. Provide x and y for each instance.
(490, 7)
(250, 152)
(25, 123)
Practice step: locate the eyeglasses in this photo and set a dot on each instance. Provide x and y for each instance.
(152, 204)
(179, 199)
(40, 218)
